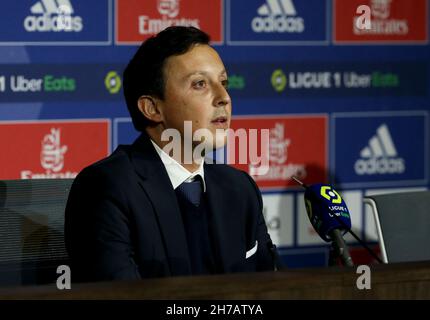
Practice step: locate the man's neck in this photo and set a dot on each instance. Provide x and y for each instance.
(192, 166)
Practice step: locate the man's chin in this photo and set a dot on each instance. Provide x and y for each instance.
(210, 146)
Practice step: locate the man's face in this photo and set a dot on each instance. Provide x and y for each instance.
(196, 91)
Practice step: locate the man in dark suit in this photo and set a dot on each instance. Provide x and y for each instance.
(146, 212)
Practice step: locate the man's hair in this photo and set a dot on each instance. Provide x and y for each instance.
(144, 73)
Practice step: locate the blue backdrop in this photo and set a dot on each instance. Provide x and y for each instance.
(283, 58)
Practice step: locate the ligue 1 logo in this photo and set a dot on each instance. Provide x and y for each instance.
(330, 194)
(279, 80)
(113, 82)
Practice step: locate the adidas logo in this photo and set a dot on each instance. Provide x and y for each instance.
(380, 156)
(53, 15)
(278, 16)
(277, 7)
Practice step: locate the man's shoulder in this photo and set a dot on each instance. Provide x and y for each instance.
(227, 171)
(116, 165)
(119, 157)
(221, 168)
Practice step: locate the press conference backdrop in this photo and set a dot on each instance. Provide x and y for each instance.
(343, 105)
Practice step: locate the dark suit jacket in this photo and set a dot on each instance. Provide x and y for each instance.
(123, 221)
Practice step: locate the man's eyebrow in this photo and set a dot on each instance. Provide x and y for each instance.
(204, 73)
(195, 74)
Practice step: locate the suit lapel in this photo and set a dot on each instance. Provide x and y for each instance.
(156, 184)
(226, 221)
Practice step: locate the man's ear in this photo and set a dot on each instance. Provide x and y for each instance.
(149, 107)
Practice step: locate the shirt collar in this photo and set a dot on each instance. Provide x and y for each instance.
(176, 172)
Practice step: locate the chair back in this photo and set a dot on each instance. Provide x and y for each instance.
(403, 225)
(32, 230)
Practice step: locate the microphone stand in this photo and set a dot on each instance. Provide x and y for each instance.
(277, 265)
(338, 250)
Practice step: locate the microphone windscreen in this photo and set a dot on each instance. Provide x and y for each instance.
(326, 210)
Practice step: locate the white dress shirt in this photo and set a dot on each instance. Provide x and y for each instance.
(176, 172)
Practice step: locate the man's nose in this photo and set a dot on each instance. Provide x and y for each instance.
(222, 98)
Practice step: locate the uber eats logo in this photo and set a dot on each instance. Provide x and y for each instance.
(380, 155)
(48, 83)
(236, 82)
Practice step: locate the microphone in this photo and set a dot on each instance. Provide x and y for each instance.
(329, 216)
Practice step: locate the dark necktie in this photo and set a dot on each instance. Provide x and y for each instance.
(192, 191)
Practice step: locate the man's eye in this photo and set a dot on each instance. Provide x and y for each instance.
(225, 83)
(199, 84)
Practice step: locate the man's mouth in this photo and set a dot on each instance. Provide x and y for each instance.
(220, 120)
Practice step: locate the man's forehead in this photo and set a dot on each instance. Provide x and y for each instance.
(199, 59)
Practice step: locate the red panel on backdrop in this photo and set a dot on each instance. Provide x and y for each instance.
(138, 20)
(399, 21)
(51, 149)
(297, 146)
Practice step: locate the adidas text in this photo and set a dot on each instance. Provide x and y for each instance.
(58, 23)
(379, 166)
(278, 24)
